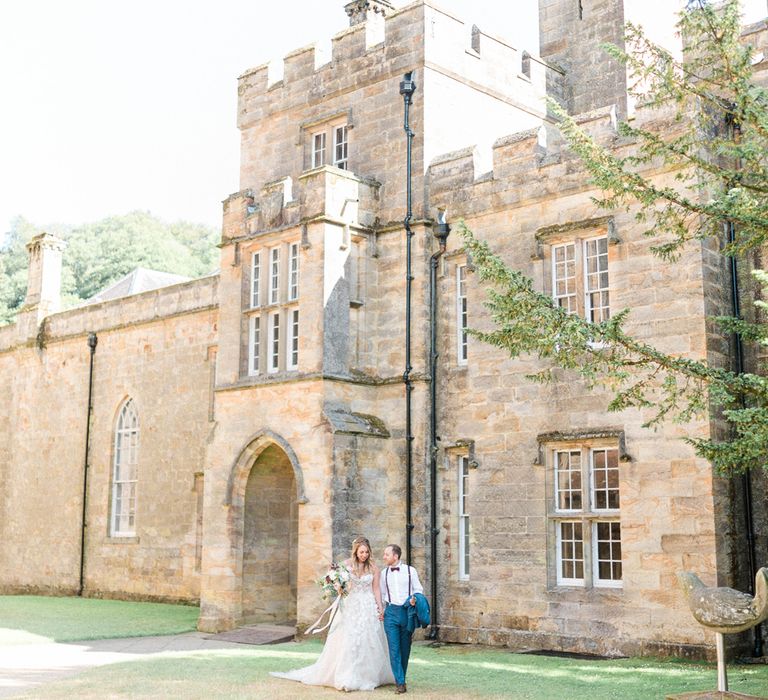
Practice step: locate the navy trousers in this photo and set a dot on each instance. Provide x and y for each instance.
(398, 640)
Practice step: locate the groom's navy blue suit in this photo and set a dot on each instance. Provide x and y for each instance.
(398, 584)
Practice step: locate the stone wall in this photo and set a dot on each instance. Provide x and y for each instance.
(155, 349)
(571, 34)
(250, 483)
(674, 513)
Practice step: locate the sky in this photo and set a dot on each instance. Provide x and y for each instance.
(107, 106)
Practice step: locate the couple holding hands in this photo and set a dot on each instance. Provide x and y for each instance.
(360, 652)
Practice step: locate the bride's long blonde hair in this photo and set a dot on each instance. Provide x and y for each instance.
(356, 563)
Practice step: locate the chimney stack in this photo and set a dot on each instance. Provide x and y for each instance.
(44, 280)
(360, 11)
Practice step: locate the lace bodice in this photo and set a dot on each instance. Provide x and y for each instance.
(361, 584)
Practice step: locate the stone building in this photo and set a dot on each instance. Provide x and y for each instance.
(233, 433)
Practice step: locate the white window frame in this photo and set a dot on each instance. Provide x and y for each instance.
(341, 146)
(592, 481)
(256, 280)
(292, 346)
(462, 316)
(605, 582)
(254, 344)
(464, 522)
(566, 300)
(596, 314)
(293, 272)
(318, 148)
(573, 286)
(571, 472)
(588, 516)
(563, 580)
(122, 522)
(274, 275)
(273, 349)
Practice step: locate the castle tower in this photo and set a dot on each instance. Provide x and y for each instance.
(572, 33)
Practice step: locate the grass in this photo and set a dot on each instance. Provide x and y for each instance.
(28, 619)
(436, 673)
(444, 673)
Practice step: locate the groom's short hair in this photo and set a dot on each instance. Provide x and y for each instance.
(396, 549)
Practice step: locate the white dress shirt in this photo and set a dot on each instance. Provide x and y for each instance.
(397, 581)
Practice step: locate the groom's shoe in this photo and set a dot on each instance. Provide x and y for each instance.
(400, 689)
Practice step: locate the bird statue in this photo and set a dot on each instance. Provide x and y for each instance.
(725, 611)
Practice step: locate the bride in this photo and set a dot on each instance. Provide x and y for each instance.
(355, 655)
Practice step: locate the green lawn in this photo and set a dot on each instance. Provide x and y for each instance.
(436, 673)
(37, 618)
(444, 673)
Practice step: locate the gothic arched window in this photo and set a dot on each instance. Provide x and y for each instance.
(124, 472)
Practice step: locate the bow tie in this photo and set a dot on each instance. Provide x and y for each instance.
(394, 568)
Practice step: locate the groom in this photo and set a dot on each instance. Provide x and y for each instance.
(398, 583)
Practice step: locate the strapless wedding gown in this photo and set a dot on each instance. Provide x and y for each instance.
(355, 655)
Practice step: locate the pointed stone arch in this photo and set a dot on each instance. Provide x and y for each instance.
(241, 467)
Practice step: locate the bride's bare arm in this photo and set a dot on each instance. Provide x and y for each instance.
(349, 564)
(376, 587)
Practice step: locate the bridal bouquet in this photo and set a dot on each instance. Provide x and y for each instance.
(335, 582)
(335, 585)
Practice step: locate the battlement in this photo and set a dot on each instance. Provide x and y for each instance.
(324, 192)
(386, 45)
(458, 181)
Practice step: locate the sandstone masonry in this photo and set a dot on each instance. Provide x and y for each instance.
(269, 397)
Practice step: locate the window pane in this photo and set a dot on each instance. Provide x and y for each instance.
(318, 150)
(274, 275)
(293, 347)
(293, 282)
(596, 279)
(462, 316)
(255, 280)
(608, 551)
(605, 478)
(274, 344)
(254, 355)
(125, 470)
(340, 151)
(571, 552)
(564, 276)
(463, 504)
(568, 480)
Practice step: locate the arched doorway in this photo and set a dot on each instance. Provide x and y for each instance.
(270, 539)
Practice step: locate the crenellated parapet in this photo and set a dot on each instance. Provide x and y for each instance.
(383, 40)
(532, 164)
(531, 161)
(326, 192)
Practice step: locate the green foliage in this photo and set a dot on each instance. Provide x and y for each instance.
(715, 144)
(100, 253)
(715, 140)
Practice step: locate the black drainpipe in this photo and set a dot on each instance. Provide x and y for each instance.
(92, 342)
(442, 234)
(746, 481)
(407, 88)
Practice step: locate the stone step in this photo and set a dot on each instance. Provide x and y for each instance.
(257, 634)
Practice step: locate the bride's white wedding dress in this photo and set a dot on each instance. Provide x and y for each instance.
(355, 655)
